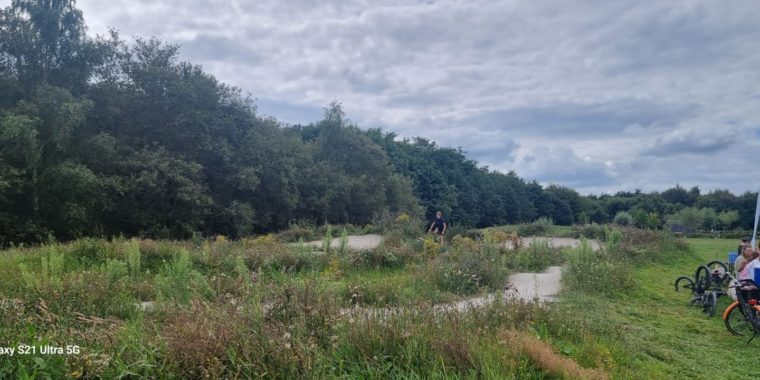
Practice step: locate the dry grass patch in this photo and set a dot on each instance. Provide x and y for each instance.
(544, 357)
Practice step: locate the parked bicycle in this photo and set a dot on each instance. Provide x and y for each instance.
(706, 286)
(742, 317)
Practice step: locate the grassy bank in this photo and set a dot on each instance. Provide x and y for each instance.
(648, 332)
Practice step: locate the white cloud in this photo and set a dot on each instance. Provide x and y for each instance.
(603, 95)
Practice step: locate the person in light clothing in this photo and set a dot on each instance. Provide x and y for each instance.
(745, 256)
(748, 273)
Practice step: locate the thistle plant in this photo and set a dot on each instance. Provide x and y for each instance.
(132, 255)
(326, 239)
(343, 242)
(49, 278)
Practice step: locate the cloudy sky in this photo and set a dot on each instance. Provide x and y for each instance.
(597, 95)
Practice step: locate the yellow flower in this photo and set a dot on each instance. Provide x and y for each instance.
(403, 218)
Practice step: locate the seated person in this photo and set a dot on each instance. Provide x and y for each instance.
(745, 256)
(749, 290)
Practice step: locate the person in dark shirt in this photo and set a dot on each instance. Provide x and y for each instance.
(438, 226)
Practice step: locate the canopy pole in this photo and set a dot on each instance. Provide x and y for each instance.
(757, 217)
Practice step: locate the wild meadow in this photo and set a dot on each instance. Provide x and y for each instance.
(262, 307)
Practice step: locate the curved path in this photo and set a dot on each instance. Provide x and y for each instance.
(558, 242)
(361, 242)
(357, 242)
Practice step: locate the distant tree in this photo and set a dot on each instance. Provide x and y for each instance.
(679, 195)
(719, 200)
(727, 219)
(691, 217)
(640, 217)
(623, 218)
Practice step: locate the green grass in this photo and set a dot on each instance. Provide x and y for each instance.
(651, 333)
(287, 319)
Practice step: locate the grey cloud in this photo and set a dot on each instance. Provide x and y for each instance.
(694, 143)
(585, 120)
(209, 47)
(288, 112)
(562, 165)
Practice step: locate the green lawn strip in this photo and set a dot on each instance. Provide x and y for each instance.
(651, 333)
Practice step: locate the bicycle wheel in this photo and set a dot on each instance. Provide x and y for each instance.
(702, 279)
(711, 301)
(718, 270)
(697, 301)
(735, 320)
(684, 282)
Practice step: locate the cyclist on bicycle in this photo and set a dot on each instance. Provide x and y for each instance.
(438, 227)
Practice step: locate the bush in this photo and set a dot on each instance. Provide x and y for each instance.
(536, 257)
(596, 272)
(467, 272)
(178, 282)
(298, 232)
(623, 218)
(589, 231)
(115, 270)
(51, 271)
(133, 257)
(540, 227)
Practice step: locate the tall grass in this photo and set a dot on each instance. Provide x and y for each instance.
(261, 308)
(596, 272)
(327, 239)
(178, 282)
(50, 274)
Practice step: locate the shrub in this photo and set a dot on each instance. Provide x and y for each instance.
(596, 271)
(536, 257)
(298, 232)
(327, 239)
(466, 273)
(538, 228)
(589, 231)
(133, 256)
(115, 270)
(473, 234)
(623, 218)
(179, 282)
(51, 271)
(461, 245)
(343, 246)
(90, 251)
(403, 218)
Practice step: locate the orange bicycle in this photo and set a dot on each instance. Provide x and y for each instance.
(743, 316)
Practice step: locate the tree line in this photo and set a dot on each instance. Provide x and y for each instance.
(102, 137)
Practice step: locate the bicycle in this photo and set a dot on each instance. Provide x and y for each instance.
(743, 315)
(706, 287)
